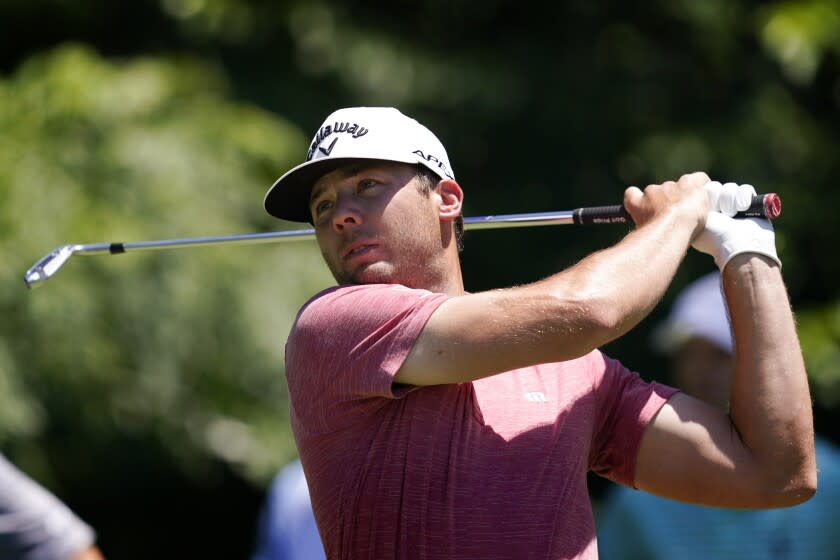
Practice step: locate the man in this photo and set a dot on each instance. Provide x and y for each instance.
(638, 526)
(35, 525)
(435, 423)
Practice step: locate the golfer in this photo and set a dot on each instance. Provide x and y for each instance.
(435, 423)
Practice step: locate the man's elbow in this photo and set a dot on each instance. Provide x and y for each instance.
(604, 322)
(796, 495)
(798, 487)
(805, 486)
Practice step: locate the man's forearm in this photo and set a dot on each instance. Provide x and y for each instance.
(770, 401)
(623, 283)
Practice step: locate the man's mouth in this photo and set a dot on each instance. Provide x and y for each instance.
(359, 249)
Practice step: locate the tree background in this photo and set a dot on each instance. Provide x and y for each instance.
(147, 390)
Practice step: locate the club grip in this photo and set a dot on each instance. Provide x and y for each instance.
(767, 206)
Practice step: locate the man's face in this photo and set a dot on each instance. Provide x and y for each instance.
(374, 225)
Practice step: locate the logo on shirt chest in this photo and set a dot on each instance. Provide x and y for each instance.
(535, 397)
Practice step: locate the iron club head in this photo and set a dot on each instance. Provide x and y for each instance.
(48, 265)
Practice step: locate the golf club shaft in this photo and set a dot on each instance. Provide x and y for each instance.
(766, 205)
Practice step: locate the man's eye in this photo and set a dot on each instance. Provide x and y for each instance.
(366, 183)
(321, 206)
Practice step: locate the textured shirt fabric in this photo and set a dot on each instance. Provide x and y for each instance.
(494, 468)
(634, 525)
(34, 524)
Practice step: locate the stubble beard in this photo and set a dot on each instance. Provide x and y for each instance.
(413, 264)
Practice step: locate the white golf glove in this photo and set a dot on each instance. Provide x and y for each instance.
(724, 236)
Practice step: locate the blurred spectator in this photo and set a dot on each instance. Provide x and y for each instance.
(287, 529)
(636, 525)
(35, 525)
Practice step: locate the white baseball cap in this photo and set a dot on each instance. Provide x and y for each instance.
(699, 311)
(375, 133)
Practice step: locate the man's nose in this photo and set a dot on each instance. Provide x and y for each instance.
(346, 214)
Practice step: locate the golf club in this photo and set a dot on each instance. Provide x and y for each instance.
(763, 206)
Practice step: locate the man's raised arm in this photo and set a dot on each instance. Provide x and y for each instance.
(761, 454)
(570, 313)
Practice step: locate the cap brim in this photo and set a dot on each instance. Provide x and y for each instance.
(288, 197)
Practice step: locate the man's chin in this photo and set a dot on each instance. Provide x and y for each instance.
(376, 273)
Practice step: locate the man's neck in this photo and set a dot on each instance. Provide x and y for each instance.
(450, 283)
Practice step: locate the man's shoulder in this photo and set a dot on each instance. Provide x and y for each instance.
(357, 299)
(348, 314)
(358, 290)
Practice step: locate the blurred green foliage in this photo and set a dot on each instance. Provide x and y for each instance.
(186, 346)
(158, 119)
(819, 331)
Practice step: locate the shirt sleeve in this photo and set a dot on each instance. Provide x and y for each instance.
(627, 404)
(346, 346)
(34, 524)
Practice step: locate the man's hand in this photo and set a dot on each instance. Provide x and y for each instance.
(686, 197)
(725, 237)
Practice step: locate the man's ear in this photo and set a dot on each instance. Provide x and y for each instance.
(451, 199)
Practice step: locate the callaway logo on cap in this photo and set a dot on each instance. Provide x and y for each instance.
(355, 133)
